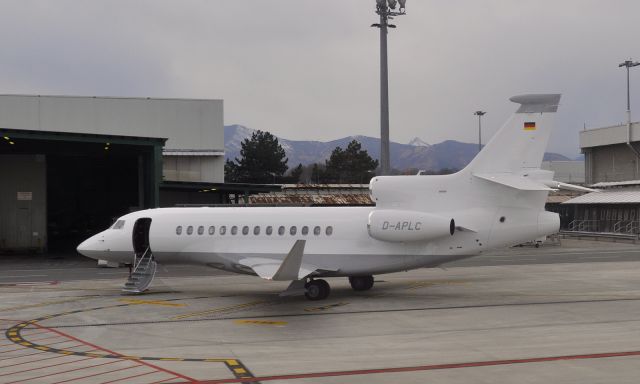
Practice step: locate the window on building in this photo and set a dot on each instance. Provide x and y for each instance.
(305, 230)
(212, 230)
(234, 230)
(281, 230)
(179, 230)
(293, 230)
(245, 230)
(329, 231)
(190, 230)
(256, 230)
(200, 230)
(223, 230)
(269, 230)
(317, 230)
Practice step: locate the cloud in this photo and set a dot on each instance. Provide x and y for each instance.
(308, 69)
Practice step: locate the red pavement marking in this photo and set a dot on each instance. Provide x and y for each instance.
(97, 374)
(426, 367)
(161, 381)
(118, 354)
(70, 370)
(43, 367)
(39, 360)
(28, 354)
(128, 377)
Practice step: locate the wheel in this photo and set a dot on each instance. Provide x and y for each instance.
(361, 283)
(317, 290)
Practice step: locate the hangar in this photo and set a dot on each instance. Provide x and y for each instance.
(70, 165)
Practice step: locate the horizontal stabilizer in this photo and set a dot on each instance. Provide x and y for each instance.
(291, 268)
(514, 181)
(570, 187)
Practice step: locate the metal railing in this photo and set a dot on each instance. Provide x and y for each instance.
(631, 227)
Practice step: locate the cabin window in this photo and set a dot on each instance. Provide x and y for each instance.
(223, 230)
(190, 230)
(200, 230)
(234, 230)
(256, 230)
(269, 230)
(179, 230)
(317, 230)
(281, 230)
(293, 230)
(245, 230)
(329, 231)
(118, 224)
(212, 230)
(305, 230)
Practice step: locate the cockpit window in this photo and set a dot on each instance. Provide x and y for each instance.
(118, 224)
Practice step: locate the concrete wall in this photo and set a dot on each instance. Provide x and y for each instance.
(610, 163)
(193, 168)
(23, 202)
(566, 171)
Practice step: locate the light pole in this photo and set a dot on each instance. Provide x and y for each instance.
(628, 64)
(479, 114)
(386, 10)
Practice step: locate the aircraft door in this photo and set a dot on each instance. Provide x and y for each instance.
(140, 236)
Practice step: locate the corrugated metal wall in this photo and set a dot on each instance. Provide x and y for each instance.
(23, 202)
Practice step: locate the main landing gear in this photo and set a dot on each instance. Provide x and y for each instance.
(317, 289)
(361, 283)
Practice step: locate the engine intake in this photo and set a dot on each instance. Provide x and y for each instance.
(406, 226)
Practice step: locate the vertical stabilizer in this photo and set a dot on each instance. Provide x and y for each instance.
(520, 144)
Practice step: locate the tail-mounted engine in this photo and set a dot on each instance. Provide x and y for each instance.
(405, 226)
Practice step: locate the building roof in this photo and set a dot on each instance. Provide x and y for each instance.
(609, 184)
(625, 196)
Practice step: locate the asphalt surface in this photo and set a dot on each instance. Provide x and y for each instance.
(572, 315)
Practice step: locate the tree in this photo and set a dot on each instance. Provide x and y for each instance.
(352, 165)
(262, 160)
(295, 173)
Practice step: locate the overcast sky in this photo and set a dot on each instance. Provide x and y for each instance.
(309, 69)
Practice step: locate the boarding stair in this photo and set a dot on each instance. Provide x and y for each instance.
(144, 269)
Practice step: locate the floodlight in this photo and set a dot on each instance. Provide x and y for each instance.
(392, 4)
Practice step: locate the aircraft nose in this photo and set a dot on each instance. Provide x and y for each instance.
(87, 247)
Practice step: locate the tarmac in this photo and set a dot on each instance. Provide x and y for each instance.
(558, 314)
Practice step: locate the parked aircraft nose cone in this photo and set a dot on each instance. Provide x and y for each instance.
(86, 247)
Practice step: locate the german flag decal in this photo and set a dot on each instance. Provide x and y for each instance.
(530, 126)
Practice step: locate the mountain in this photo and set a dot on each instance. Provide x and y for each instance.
(417, 154)
(418, 142)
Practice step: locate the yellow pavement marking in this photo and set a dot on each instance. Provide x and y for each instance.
(152, 302)
(260, 322)
(325, 307)
(219, 310)
(240, 370)
(232, 362)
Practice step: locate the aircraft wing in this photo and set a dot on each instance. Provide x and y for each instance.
(514, 181)
(291, 268)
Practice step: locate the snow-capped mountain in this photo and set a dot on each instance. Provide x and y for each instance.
(418, 142)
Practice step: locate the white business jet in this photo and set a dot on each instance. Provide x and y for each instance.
(419, 221)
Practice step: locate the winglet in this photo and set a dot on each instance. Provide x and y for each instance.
(290, 267)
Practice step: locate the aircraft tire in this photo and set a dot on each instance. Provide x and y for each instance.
(317, 290)
(361, 283)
